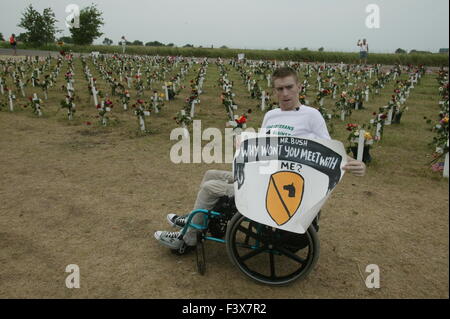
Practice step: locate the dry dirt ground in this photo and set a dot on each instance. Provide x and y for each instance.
(92, 196)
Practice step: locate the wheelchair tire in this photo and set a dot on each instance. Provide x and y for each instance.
(250, 243)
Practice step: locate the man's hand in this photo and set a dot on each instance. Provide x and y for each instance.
(355, 167)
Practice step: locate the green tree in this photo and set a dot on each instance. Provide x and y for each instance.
(89, 29)
(66, 39)
(1, 37)
(137, 42)
(170, 45)
(188, 46)
(107, 41)
(400, 51)
(21, 37)
(321, 49)
(154, 44)
(40, 27)
(224, 47)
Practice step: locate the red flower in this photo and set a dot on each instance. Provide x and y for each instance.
(383, 116)
(241, 120)
(88, 123)
(98, 106)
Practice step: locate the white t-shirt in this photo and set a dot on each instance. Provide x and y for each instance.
(364, 47)
(307, 122)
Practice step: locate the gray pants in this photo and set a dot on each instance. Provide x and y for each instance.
(215, 184)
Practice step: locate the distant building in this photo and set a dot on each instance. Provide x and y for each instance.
(443, 50)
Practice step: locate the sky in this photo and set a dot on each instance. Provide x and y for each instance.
(335, 25)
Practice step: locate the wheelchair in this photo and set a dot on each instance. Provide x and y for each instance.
(265, 254)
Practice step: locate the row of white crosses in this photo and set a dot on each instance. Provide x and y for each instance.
(401, 96)
(201, 77)
(388, 121)
(227, 88)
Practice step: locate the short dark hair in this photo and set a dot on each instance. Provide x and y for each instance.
(284, 72)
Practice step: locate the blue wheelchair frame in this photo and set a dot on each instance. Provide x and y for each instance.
(204, 226)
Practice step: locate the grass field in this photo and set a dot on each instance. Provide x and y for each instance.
(74, 193)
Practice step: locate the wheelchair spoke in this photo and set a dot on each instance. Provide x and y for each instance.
(247, 237)
(272, 265)
(253, 253)
(290, 255)
(250, 233)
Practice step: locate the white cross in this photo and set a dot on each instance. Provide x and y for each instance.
(378, 129)
(11, 97)
(38, 106)
(263, 100)
(360, 153)
(155, 102)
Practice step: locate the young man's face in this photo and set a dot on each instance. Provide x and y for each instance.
(287, 90)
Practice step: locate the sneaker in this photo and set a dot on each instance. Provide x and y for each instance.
(175, 220)
(172, 240)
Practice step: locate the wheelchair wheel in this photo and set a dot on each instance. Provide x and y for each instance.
(269, 255)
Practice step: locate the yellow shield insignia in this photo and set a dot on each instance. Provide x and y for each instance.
(284, 196)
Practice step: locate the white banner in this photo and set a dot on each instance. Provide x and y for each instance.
(284, 181)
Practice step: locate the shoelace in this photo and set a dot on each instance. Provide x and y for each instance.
(172, 234)
(180, 220)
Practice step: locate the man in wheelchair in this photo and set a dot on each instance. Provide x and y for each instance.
(291, 118)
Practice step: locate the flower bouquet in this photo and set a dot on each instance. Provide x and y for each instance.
(35, 104)
(342, 106)
(440, 141)
(103, 109)
(321, 94)
(124, 97)
(378, 122)
(157, 101)
(183, 119)
(353, 139)
(239, 123)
